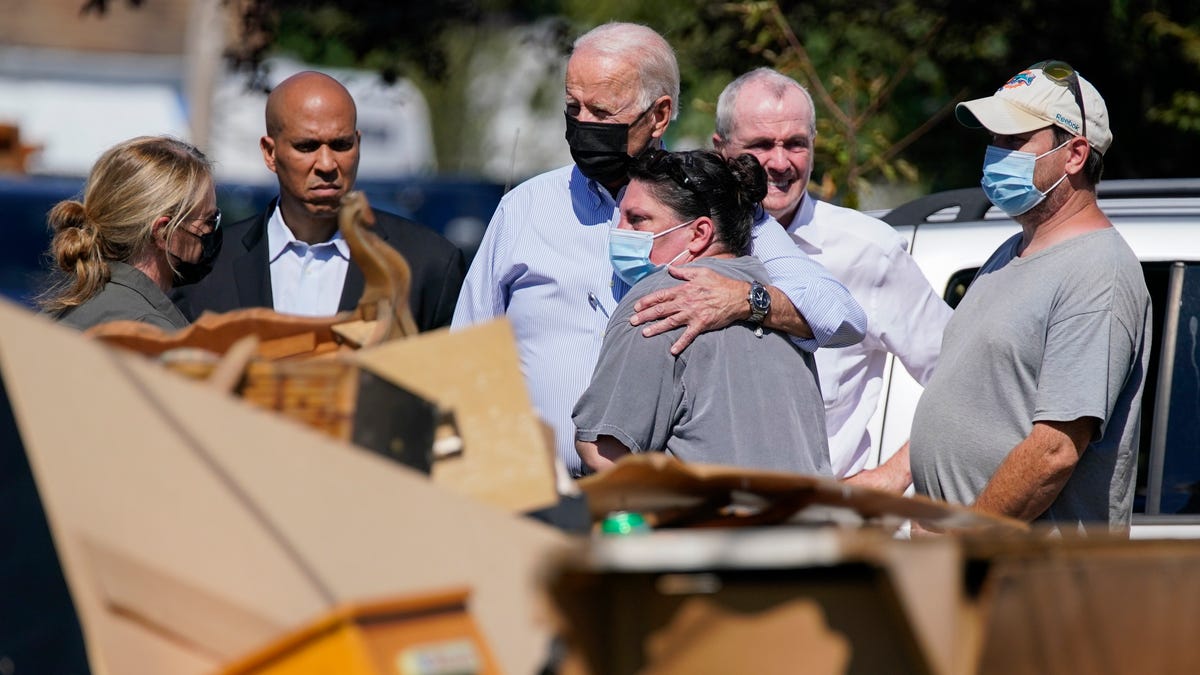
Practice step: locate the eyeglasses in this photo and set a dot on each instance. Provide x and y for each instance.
(215, 221)
(1061, 73)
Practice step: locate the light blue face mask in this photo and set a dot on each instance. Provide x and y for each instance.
(1008, 179)
(629, 251)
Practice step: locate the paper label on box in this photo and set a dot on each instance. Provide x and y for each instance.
(454, 657)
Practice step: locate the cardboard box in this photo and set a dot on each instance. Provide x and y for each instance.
(193, 529)
(428, 634)
(849, 601)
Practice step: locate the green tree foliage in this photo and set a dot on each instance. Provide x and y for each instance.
(391, 37)
(872, 67)
(854, 76)
(437, 45)
(704, 35)
(1182, 111)
(885, 73)
(894, 69)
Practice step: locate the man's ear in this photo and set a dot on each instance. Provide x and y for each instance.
(661, 109)
(267, 145)
(718, 143)
(1080, 150)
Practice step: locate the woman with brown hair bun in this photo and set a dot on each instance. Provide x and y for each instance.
(743, 395)
(148, 220)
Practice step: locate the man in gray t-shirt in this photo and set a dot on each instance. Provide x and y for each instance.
(734, 397)
(1034, 410)
(1053, 336)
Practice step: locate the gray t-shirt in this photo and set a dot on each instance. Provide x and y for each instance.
(1059, 335)
(730, 398)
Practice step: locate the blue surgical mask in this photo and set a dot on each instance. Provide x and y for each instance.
(629, 251)
(1008, 179)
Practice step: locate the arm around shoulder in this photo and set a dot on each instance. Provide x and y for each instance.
(825, 306)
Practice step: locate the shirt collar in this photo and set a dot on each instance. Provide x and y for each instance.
(803, 215)
(597, 193)
(280, 238)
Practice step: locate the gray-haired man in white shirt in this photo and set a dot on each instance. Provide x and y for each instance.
(771, 116)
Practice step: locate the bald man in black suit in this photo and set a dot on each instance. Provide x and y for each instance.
(291, 257)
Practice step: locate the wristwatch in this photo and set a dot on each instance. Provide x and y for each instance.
(760, 302)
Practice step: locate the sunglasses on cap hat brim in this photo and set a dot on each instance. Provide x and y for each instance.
(1061, 73)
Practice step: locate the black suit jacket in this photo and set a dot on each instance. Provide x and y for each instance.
(241, 277)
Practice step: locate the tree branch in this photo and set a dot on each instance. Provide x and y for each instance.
(806, 65)
(911, 137)
(901, 73)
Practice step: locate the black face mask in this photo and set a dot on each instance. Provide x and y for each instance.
(192, 272)
(600, 150)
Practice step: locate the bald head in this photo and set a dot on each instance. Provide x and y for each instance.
(312, 146)
(307, 88)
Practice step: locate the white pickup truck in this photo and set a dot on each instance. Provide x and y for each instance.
(950, 234)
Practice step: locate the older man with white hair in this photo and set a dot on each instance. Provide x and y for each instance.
(771, 116)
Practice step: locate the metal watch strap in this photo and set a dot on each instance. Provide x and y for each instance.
(757, 313)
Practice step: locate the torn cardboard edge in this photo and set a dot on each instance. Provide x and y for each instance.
(678, 494)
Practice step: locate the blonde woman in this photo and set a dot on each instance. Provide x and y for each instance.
(148, 219)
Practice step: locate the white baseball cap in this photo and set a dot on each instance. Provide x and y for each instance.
(1040, 96)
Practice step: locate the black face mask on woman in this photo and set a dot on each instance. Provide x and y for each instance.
(192, 272)
(601, 150)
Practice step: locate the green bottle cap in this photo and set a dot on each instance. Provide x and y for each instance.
(624, 522)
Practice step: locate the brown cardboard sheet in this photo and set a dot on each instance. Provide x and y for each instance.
(898, 606)
(191, 527)
(475, 375)
(1068, 604)
(673, 492)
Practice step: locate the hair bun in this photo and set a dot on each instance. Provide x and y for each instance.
(74, 237)
(67, 214)
(751, 178)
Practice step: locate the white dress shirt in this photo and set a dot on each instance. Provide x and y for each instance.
(905, 316)
(305, 279)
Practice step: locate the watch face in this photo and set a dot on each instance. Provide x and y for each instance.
(760, 298)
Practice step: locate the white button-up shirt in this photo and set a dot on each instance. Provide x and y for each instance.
(905, 316)
(305, 279)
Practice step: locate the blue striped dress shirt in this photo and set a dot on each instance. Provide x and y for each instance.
(543, 263)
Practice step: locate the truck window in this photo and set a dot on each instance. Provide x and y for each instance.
(956, 288)
(1173, 442)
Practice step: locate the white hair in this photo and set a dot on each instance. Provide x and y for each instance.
(658, 71)
(777, 85)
